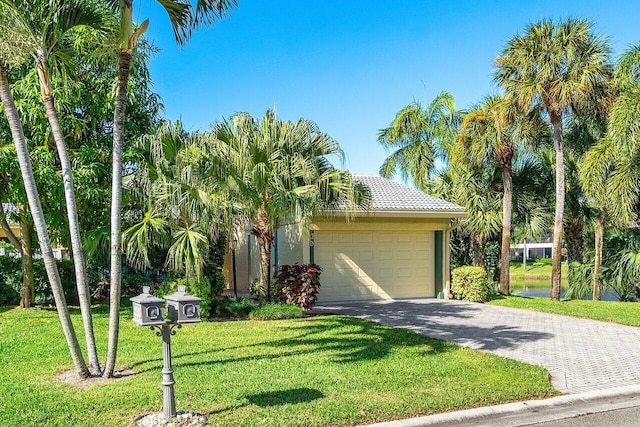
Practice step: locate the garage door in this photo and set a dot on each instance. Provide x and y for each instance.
(360, 265)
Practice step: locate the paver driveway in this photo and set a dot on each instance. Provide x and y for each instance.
(580, 354)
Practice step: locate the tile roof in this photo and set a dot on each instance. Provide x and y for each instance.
(389, 195)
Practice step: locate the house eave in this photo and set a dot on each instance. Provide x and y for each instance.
(389, 213)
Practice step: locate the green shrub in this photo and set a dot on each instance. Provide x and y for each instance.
(218, 284)
(298, 284)
(200, 288)
(256, 290)
(276, 311)
(469, 284)
(232, 307)
(10, 280)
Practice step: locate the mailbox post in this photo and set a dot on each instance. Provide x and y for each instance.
(149, 311)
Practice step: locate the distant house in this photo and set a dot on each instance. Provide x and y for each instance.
(399, 248)
(533, 250)
(11, 211)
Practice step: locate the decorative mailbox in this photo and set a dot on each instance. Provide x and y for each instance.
(147, 309)
(183, 308)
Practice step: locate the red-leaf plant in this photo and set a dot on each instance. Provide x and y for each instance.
(298, 284)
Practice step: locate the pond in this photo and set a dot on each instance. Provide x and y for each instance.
(542, 288)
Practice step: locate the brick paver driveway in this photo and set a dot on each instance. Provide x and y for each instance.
(580, 354)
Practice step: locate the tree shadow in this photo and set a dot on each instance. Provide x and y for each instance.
(349, 340)
(451, 321)
(284, 397)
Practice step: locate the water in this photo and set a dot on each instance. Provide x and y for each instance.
(542, 289)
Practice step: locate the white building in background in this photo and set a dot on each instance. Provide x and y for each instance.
(533, 250)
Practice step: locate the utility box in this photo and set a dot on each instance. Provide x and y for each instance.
(182, 307)
(147, 309)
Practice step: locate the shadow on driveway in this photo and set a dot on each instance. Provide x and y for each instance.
(451, 321)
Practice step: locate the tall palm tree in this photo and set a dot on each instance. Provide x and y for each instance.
(419, 136)
(49, 25)
(277, 172)
(184, 17)
(555, 67)
(610, 170)
(26, 169)
(490, 133)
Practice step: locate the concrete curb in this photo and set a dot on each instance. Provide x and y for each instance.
(530, 411)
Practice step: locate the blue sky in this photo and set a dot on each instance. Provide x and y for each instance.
(350, 65)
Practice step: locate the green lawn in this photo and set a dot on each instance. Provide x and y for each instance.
(537, 268)
(317, 371)
(625, 313)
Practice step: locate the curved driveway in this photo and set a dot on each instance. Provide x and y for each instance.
(580, 354)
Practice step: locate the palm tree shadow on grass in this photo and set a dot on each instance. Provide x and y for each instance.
(356, 340)
(292, 396)
(284, 397)
(343, 339)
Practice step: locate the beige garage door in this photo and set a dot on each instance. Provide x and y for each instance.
(374, 264)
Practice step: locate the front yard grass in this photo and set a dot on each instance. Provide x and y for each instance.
(316, 371)
(625, 313)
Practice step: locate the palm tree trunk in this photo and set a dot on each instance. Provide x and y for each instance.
(264, 232)
(556, 255)
(505, 252)
(597, 265)
(265, 267)
(27, 290)
(41, 228)
(573, 236)
(116, 209)
(477, 251)
(72, 215)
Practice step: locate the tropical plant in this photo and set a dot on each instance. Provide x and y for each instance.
(35, 206)
(298, 284)
(555, 67)
(420, 137)
(182, 207)
(276, 172)
(490, 133)
(609, 171)
(50, 25)
(475, 188)
(184, 17)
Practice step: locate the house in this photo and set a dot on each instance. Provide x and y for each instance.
(11, 211)
(396, 249)
(534, 250)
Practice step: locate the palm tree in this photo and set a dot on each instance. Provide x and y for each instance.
(489, 133)
(277, 172)
(610, 172)
(555, 67)
(185, 208)
(38, 217)
(473, 187)
(49, 25)
(184, 18)
(419, 137)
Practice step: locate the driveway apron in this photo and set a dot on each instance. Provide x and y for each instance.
(580, 354)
